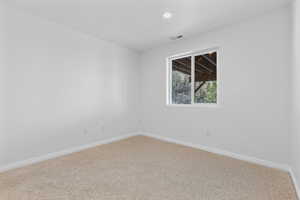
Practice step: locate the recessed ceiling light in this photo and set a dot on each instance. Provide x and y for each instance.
(167, 15)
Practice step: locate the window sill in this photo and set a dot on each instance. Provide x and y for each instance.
(207, 105)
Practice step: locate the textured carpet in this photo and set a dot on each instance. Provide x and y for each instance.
(142, 168)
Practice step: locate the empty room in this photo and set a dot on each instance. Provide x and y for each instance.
(149, 100)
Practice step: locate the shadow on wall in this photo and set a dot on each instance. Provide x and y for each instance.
(60, 88)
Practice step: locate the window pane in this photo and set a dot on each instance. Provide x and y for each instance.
(181, 81)
(206, 78)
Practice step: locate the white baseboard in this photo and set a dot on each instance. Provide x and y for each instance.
(48, 156)
(167, 139)
(296, 184)
(250, 159)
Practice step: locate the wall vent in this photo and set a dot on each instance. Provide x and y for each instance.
(177, 37)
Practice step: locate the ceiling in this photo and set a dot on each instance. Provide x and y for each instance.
(138, 24)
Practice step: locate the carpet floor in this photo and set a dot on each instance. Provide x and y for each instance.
(142, 168)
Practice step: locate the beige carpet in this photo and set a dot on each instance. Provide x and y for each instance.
(141, 168)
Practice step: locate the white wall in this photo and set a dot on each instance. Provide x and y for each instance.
(253, 118)
(296, 92)
(57, 84)
(2, 106)
(60, 88)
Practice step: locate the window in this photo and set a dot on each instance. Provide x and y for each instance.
(192, 79)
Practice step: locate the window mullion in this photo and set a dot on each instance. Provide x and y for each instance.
(170, 81)
(193, 80)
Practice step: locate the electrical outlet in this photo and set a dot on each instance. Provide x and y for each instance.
(100, 126)
(85, 131)
(208, 133)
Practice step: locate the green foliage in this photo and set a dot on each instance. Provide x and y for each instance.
(181, 90)
(207, 93)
